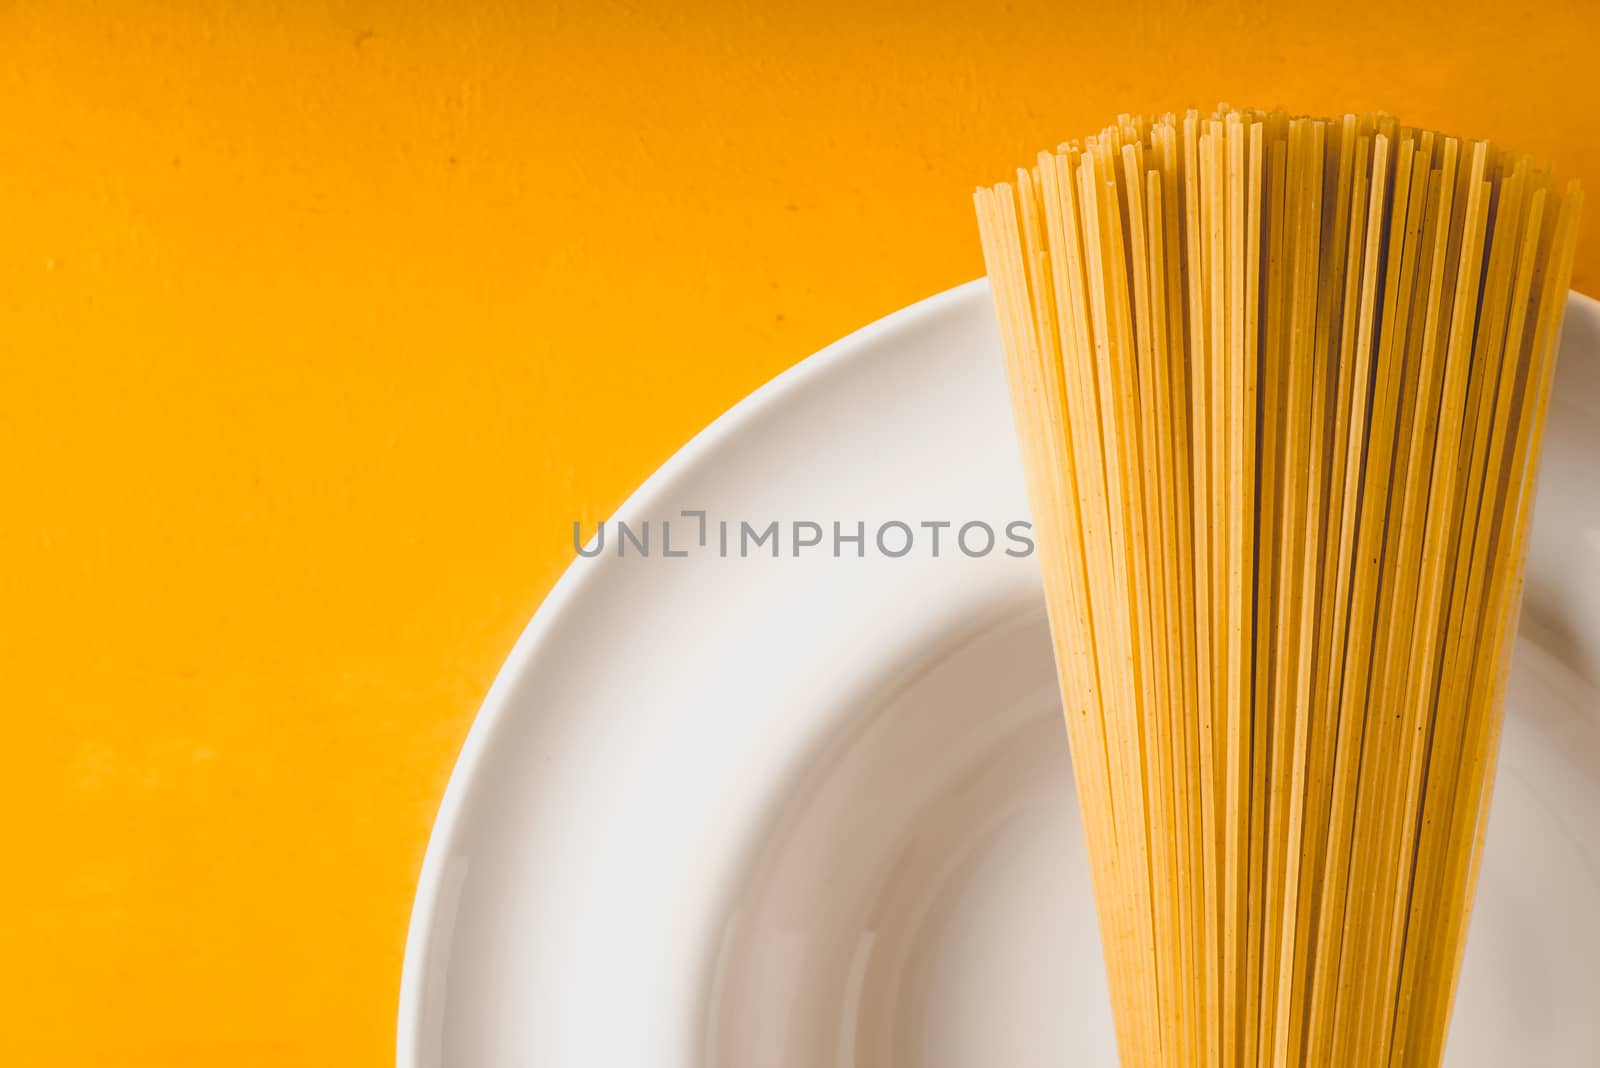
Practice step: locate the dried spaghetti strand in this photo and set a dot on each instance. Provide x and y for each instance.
(1279, 386)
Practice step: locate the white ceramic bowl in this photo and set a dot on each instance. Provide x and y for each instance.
(752, 812)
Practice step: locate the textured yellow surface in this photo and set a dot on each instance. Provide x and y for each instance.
(321, 324)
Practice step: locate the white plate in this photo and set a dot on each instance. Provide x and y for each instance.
(752, 813)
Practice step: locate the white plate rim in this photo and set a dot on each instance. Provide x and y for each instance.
(496, 706)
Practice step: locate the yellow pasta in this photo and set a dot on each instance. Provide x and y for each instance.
(1280, 386)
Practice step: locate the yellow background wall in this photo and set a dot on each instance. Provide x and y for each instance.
(320, 323)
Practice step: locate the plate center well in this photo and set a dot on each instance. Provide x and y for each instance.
(923, 895)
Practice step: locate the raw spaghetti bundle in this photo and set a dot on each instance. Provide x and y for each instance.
(1280, 385)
